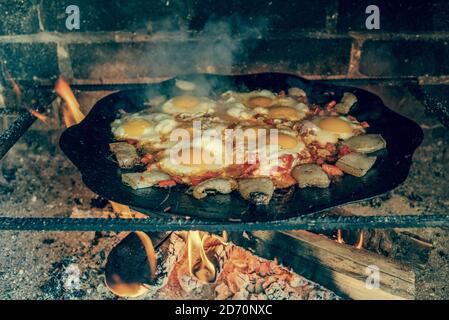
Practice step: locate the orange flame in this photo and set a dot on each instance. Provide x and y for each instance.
(14, 85)
(38, 115)
(339, 237)
(71, 112)
(123, 210)
(18, 92)
(133, 290)
(225, 236)
(359, 244)
(149, 250)
(199, 264)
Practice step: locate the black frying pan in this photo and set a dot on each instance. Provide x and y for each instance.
(86, 145)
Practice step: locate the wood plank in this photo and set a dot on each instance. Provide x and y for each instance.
(338, 267)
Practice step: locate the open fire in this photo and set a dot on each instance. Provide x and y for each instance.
(200, 265)
(206, 260)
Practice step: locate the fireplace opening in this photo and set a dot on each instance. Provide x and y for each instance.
(61, 240)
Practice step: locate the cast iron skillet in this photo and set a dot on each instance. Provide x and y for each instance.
(86, 145)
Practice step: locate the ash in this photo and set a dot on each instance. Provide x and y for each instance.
(241, 275)
(37, 180)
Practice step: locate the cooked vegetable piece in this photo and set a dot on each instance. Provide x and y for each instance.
(310, 175)
(139, 180)
(256, 190)
(185, 85)
(346, 103)
(296, 92)
(221, 185)
(356, 164)
(366, 143)
(125, 153)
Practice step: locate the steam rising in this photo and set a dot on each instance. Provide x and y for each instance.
(216, 49)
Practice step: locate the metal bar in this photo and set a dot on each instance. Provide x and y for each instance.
(15, 131)
(156, 224)
(383, 81)
(23, 122)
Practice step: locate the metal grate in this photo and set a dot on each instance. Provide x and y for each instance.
(44, 96)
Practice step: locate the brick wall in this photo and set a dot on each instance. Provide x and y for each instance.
(121, 41)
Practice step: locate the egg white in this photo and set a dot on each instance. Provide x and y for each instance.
(143, 126)
(324, 136)
(202, 106)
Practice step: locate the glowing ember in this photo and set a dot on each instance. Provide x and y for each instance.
(359, 244)
(128, 290)
(199, 264)
(72, 113)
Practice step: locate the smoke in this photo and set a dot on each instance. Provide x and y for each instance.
(217, 48)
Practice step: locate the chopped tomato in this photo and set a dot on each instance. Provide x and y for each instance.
(332, 170)
(147, 158)
(330, 147)
(250, 168)
(352, 118)
(288, 160)
(208, 175)
(330, 105)
(167, 183)
(364, 124)
(282, 93)
(132, 141)
(269, 121)
(318, 112)
(344, 150)
(178, 179)
(288, 179)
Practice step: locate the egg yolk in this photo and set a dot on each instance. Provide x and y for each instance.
(285, 113)
(286, 141)
(185, 102)
(194, 157)
(335, 125)
(259, 101)
(135, 127)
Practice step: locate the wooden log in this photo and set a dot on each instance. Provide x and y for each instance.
(338, 267)
(415, 244)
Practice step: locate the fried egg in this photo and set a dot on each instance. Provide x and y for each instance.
(285, 142)
(187, 106)
(143, 126)
(237, 111)
(196, 159)
(252, 99)
(331, 129)
(294, 112)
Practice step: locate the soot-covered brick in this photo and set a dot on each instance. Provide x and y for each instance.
(30, 60)
(18, 17)
(308, 56)
(405, 57)
(138, 15)
(395, 16)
